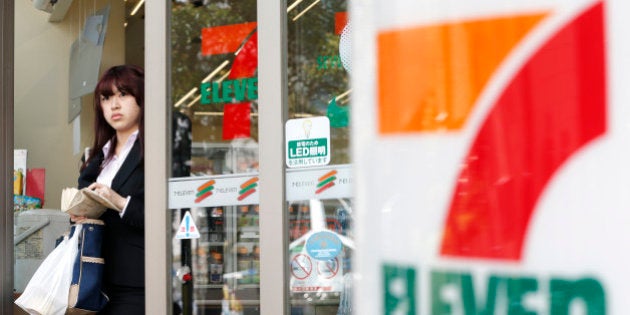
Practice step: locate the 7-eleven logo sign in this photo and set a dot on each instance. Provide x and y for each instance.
(512, 97)
(241, 39)
(204, 191)
(552, 106)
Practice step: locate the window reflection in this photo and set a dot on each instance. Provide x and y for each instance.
(320, 227)
(214, 84)
(214, 58)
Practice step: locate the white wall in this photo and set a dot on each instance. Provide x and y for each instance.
(42, 52)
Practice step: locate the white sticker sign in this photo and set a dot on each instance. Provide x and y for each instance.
(309, 274)
(307, 142)
(324, 182)
(187, 228)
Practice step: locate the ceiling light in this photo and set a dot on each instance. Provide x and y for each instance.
(137, 7)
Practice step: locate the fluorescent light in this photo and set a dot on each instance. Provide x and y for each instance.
(308, 8)
(342, 95)
(223, 77)
(185, 97)
(194, 101)
(293, 5)
(303, 115)
(208, 113)
(213, 73)
(137, 7)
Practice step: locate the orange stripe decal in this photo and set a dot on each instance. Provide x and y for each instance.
(206, 185)
(429, 77)
(329, 174)
(249, 182)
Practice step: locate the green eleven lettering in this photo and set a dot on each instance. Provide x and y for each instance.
(562, 293)
(229, 91)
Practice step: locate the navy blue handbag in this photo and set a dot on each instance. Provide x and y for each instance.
(86, 295)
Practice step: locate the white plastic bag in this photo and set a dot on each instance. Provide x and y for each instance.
(47, 291)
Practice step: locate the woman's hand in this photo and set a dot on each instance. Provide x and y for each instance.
(77, 218)
(109, 194)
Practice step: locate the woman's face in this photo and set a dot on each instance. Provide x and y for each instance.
(121, 111)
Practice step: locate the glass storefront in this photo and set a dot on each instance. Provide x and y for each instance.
(213, 199)
(319, 200)
(251, 205)
(215, 146)
(214, 61)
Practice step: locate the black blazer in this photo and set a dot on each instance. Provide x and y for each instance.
(123, 241)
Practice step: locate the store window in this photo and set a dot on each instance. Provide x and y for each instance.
(213, 192)
(319, 180)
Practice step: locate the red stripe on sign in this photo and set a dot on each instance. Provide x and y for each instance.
(246, 194)
(555, 105)
(236, 119)
(204, 196)
(246, 62)
(341, 19)
(236, 122)
(224, 39)
(325, 187)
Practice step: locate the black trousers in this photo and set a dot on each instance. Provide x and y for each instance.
(124, 301)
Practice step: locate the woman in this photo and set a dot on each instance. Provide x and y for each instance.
(115, 170)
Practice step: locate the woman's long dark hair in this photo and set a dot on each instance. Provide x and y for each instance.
(128, 79)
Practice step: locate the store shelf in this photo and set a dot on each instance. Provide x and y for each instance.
(218, 302)
(208, 286)
(208, 244)
(227, 258)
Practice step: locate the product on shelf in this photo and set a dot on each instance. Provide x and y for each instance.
(244, 265)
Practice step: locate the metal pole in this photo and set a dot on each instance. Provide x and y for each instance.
(187, 286)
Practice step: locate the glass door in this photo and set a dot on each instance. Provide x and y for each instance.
(318, 177)
(213, 192)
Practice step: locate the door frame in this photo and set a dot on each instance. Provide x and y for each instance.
(7, 13)
(273, 113)
(157, 219)
(272, 100)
